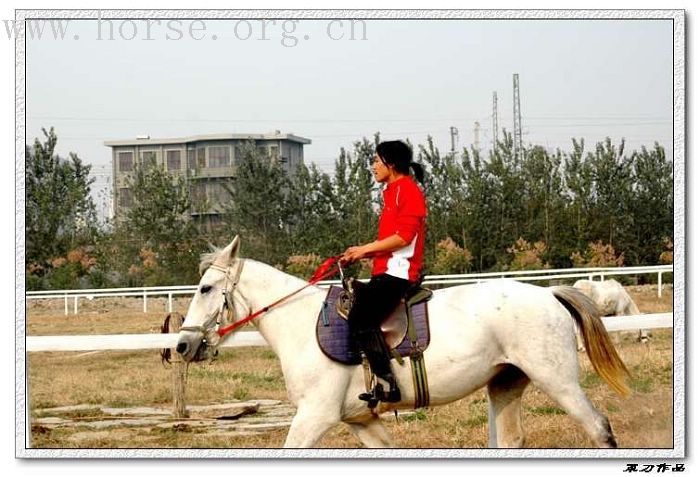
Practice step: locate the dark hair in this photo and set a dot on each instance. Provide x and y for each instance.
(400, 156)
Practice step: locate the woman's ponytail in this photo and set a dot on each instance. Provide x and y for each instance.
(418, 171)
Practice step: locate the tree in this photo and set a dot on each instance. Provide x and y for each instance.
(578, 177)
(60, 214)
(543, 200)
(258, 210)
(507, 193)
(612, 175)
(356, 194)
(652, 208)
(156, 242)
(480, 207)
(59, 209)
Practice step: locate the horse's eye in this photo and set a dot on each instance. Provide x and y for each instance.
(205, 289)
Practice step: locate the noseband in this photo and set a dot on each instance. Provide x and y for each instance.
(227, 309)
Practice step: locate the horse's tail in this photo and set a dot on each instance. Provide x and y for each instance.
(599, 347)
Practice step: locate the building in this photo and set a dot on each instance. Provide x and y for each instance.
(207, 162)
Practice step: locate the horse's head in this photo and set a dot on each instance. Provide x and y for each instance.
(211, 305)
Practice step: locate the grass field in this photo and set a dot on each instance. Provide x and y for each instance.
(138, 378)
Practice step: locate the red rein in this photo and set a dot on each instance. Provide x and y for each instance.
(327, 269)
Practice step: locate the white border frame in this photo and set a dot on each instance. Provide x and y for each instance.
(679, 99)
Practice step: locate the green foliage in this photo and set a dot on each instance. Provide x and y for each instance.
(59, 215)
(155, 242)
(487, 211)
(258, 209)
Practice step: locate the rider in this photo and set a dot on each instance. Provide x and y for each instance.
(397, 256)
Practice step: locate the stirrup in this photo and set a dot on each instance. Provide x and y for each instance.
(378, 394)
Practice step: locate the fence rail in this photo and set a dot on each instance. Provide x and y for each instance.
(523, 275)
(253, 338)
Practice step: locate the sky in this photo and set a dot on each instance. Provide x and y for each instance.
(405, 79)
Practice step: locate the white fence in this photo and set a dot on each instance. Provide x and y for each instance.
(528, 275)
(253, 338)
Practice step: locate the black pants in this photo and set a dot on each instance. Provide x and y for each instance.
(374, 302)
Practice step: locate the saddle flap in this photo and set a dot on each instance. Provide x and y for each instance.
(332, 331)
(418, 295)
(394, 327)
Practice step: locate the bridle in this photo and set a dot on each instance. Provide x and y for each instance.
(212, 329)
(227, 310)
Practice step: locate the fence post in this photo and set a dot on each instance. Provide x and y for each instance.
(145, 306)
(66, 303)
(170, 302)
(179, 378)
(75, 305)
(660, 285)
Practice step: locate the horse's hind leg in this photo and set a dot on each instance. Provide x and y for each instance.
(505, 395)
(372, 433)
(561, 384)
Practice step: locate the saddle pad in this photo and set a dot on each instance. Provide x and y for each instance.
(333, 334)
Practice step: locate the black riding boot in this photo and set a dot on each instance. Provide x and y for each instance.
(373, 344)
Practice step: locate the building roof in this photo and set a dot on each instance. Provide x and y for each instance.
(273, 136)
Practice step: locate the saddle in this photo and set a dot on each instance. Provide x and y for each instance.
(405, 330)
(395, 326)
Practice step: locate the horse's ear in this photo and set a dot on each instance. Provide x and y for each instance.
(229, 254)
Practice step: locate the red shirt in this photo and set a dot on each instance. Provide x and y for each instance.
(404, 213)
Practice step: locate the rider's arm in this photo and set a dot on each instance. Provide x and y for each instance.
(388, 244)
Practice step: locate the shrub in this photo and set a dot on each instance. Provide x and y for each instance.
(451, 258)
(598, 254)
(666, 256)
(527, 256)
(303, 265)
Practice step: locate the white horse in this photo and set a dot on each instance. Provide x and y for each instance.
(612, 300)
(501, 334)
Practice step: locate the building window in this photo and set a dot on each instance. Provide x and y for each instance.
(126, 197)
(126, 161)
(198, 193)
(191, 159)
(239, 154)
(218, 193)
(219, 156)
(173, 159)
(201, 158)
(274, 152)
(148, 158)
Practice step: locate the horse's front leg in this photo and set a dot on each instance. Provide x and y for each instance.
(310, 424)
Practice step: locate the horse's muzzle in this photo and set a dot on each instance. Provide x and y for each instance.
(193, 347)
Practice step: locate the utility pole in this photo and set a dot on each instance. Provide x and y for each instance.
(494, 119)
(477, 127)
(517, 119)
(453, 138)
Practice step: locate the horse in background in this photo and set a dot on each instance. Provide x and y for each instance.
(612, 299)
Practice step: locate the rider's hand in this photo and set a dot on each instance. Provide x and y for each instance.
(353, 254)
